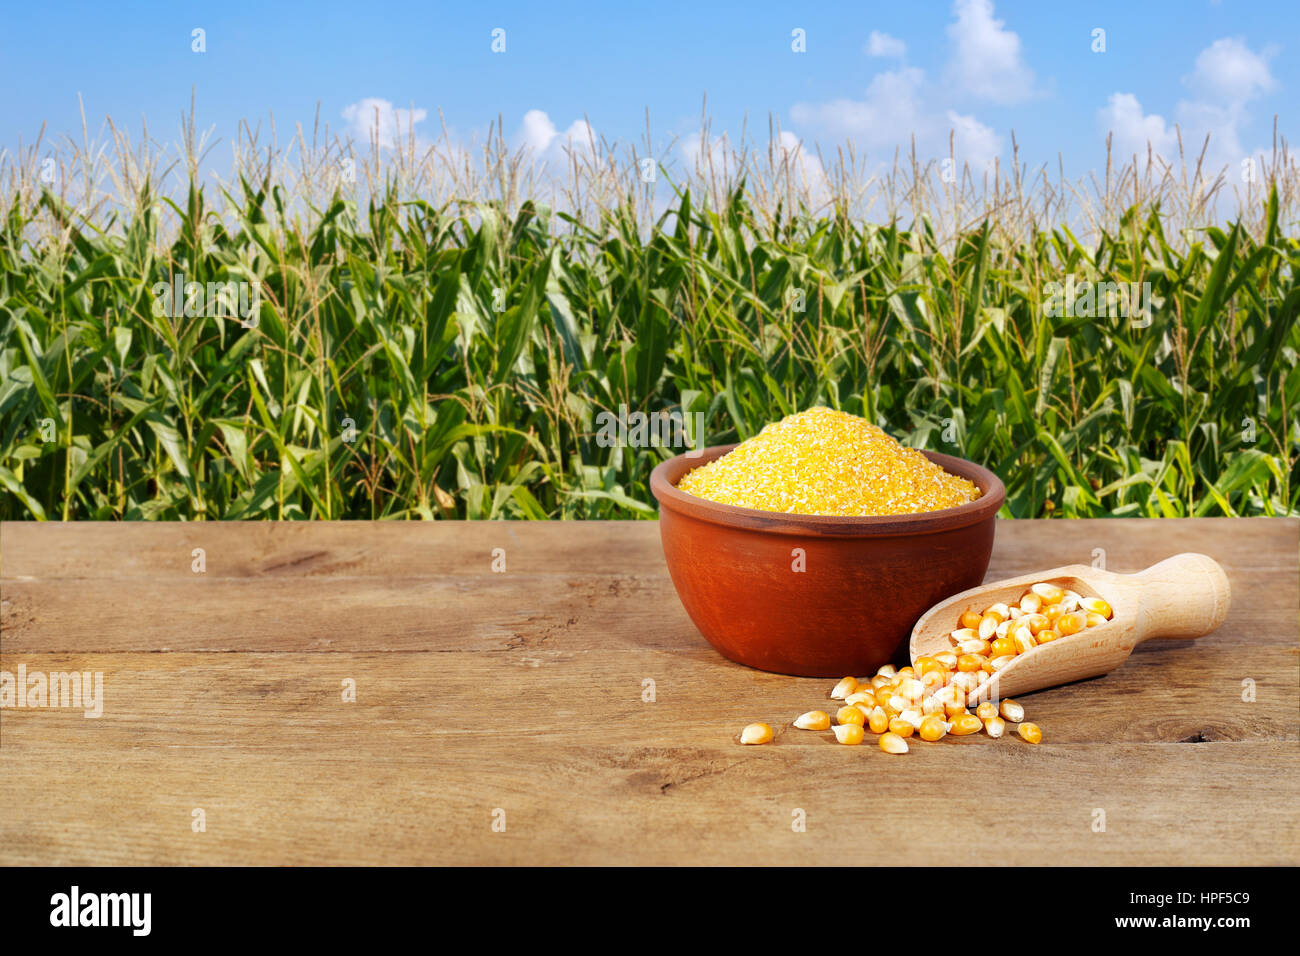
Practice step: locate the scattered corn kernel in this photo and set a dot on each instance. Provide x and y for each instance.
(756, 734)
(986, 709)
(846, 686)
(878, 721)
(964, 724)
(813, 720)
(859, 697)
(933, 728)
(994, 726)
(850, 715)
(891, 743)
(827, 462)
(1030, 733)
(1012, 710)
(849, 734)
(901, 727)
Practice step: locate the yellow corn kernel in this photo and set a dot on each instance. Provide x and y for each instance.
(964, 724)
(1001, 647)
(970, 662)
(901, 727)
(1095, 605)
(921, 664)
(849, 734)
(896, 706)
(1046, 635)
(999, 609)
(877, 682)
(1071, 622)
(756, 734)
(1036, 623)
(986, 709)
(988, 627)
(1093, 618)
(883, 695)
(1005, 628)
(963, 634)
(886, 670)
(859, 697)
(905, 672)
(891, 743)
(1030, 602)
(952, 708)
(878, 721)
(932, 705)
(813, 720)
(996, 664)
(846, 686)
(866, 708)
(1016, 613)
(1024, 641)
(970, 619)
(965, 681)
(850, 715)
(1052, 612)
(946, 659)
(1050, 593)
(1030, 733)
(1012, 711)
(911, 689)
(933, 728)
(934, 680)
(994, 726)
(973, 647)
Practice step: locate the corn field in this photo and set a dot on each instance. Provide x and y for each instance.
(439, 338)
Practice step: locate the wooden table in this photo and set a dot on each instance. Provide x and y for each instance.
(499, 716)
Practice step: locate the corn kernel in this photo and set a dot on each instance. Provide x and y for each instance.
(986, 709)
(1030, 733)
(964, 724)
(994, 726)
(1030, 602)
(964, 634)
(901, 727)
(1024, 641)
(970, 619)
(1036, 623)
(846, 686)
(974, 647)
(1071, 623)
(946, 659)
(933, 728)
(999, 609)
(1012, 710)
(891, 743)
(996, 664)
(849, 734)
(1046, 635)
(859, 697)
(952, 708)
(1093, 619)
(878, 721)
(988, 627)
(813, 720)
(850, 715)
(1001, 647)
(1095, 605)
(1050, 593)
(886, 670)
(756, 734)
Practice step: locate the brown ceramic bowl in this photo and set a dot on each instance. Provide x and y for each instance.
(865, 584)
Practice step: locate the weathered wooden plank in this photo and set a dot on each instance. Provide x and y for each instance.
(155, 551)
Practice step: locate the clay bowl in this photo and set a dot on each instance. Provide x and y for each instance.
(865, 581)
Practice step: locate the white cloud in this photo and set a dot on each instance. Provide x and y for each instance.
(539, 137)
(1227, 71)
(896, 110)
(1226, 78)
(377, 120)
(882, 44)
(986, 58)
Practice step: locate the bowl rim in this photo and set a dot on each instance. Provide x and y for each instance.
(664, 478)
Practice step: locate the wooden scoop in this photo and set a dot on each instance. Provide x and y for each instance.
(1182, 597)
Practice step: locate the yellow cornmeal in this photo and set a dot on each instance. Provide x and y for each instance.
(824, 462)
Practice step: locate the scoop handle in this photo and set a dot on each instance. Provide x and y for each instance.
(1183, 597)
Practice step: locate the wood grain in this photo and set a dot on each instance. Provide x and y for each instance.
(522, 692)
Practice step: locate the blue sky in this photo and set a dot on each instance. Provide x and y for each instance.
(873, 73)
